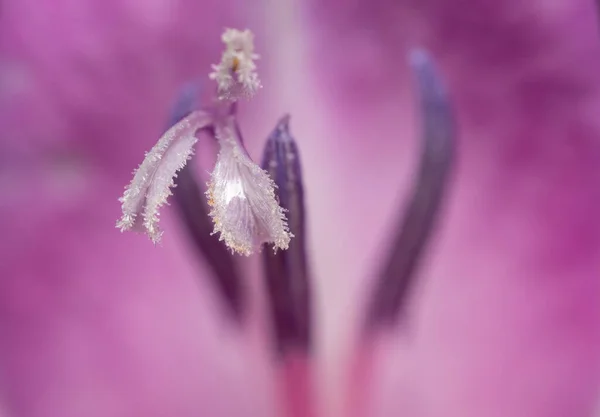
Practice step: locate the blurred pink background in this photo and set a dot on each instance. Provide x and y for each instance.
(505, 320)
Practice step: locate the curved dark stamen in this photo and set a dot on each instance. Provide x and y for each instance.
(286, 272)
(417, 224)
(194, 213)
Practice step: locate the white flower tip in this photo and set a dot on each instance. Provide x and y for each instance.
(236, 75)
(244, 208)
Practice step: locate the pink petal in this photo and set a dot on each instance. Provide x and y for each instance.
(506, 321)
(92, 322)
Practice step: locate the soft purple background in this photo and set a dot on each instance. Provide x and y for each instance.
(506, 320)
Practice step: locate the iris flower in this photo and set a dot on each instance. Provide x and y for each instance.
(496, 313)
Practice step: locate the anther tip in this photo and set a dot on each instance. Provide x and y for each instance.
(283, 125)
(284, 121)
(426, 74)
(418, 57)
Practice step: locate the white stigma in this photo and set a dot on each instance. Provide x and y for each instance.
(236, 75)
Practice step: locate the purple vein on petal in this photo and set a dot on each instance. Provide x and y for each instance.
(286, 272)
(430, 184)
(193, 211)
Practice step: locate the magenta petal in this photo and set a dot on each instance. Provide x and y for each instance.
(112, 327)
(506, 320)
(92, 322)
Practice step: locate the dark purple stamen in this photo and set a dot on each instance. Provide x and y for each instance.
(193, 211)
(286, 272)
(418, 221)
